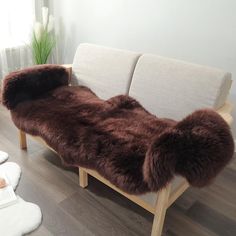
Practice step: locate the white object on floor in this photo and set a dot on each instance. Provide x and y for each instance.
(19, 219)
(13, 173)
(7, 194)
(3, 156)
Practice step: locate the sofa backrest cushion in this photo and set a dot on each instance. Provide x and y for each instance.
(172, 88)
(106, 71)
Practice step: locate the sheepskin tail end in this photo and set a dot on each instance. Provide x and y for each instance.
(197, 148)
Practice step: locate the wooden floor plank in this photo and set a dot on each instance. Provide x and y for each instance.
(211, 219)
(140, 219)
(55, 219)
(180, 224)
(94, 215)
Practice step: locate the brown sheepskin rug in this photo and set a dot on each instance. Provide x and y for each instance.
(133, 149)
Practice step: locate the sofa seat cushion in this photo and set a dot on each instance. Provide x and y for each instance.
(172, 88)
(106, 71)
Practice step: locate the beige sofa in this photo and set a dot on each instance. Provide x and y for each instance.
(165, 87)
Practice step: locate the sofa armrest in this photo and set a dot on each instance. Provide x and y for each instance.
(69, 70)
(225, 111)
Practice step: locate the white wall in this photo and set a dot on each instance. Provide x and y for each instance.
(200, 31)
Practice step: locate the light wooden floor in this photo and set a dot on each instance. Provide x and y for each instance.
(69, 210)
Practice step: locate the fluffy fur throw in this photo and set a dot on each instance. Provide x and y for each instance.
(133, 149)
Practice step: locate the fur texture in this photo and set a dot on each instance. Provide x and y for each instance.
(133, 149)
(32, 82)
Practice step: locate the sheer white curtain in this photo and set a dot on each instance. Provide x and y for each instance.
(16, 22)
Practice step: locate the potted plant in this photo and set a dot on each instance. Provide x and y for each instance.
(43, 38)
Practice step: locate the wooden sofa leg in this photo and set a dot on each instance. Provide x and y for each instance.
(160, 211)
(22, 139)
(83, 178)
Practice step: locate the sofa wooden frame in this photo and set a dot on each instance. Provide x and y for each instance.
(165, 197)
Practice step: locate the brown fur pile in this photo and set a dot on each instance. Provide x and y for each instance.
(133, 149)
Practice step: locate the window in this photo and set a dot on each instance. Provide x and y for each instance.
(16, 22)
